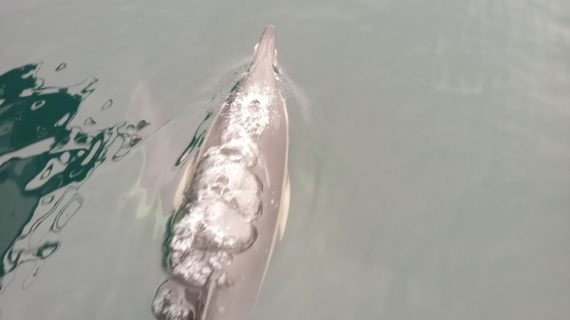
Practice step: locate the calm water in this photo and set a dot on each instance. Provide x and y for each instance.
(429, 161)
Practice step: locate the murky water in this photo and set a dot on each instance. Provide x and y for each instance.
(429, 159)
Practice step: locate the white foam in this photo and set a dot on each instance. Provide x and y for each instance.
(225, 195)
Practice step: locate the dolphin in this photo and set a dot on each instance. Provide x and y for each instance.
(235, 202)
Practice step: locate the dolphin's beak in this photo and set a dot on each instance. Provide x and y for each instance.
(265, 49)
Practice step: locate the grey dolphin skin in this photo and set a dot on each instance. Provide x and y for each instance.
(235, 205)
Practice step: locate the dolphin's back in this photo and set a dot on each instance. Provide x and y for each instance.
(248, 267)
(223, 235)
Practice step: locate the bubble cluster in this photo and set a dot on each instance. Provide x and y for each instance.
(170, 303)
(248, 114)
(224, 199)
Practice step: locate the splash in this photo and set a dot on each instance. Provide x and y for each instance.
(248, 113)
(295, 94)
(217, 221)
(44, 158)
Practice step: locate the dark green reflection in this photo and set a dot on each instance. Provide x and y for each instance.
(196, 141)
(43, 160)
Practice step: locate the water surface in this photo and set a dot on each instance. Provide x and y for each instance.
(429, 153)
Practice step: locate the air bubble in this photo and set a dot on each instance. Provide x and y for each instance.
(224, 229)
(220, 259)
(6, 128)
(170, 303)
(248, 203)
(47, 199)
(242, 151)
(231, 182)
(184, 230)
(60, 67)
(190, 266)
(89, 122)
(141, 124)
(38, 104)
(107, 104)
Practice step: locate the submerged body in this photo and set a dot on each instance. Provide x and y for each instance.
(236, 202)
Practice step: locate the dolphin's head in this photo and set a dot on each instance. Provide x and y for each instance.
(265, 54)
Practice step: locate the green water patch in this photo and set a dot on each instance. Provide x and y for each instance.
(44, 158)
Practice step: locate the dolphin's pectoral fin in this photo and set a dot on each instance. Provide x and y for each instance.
(184, 185)
(281, 221)
(284, 206)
